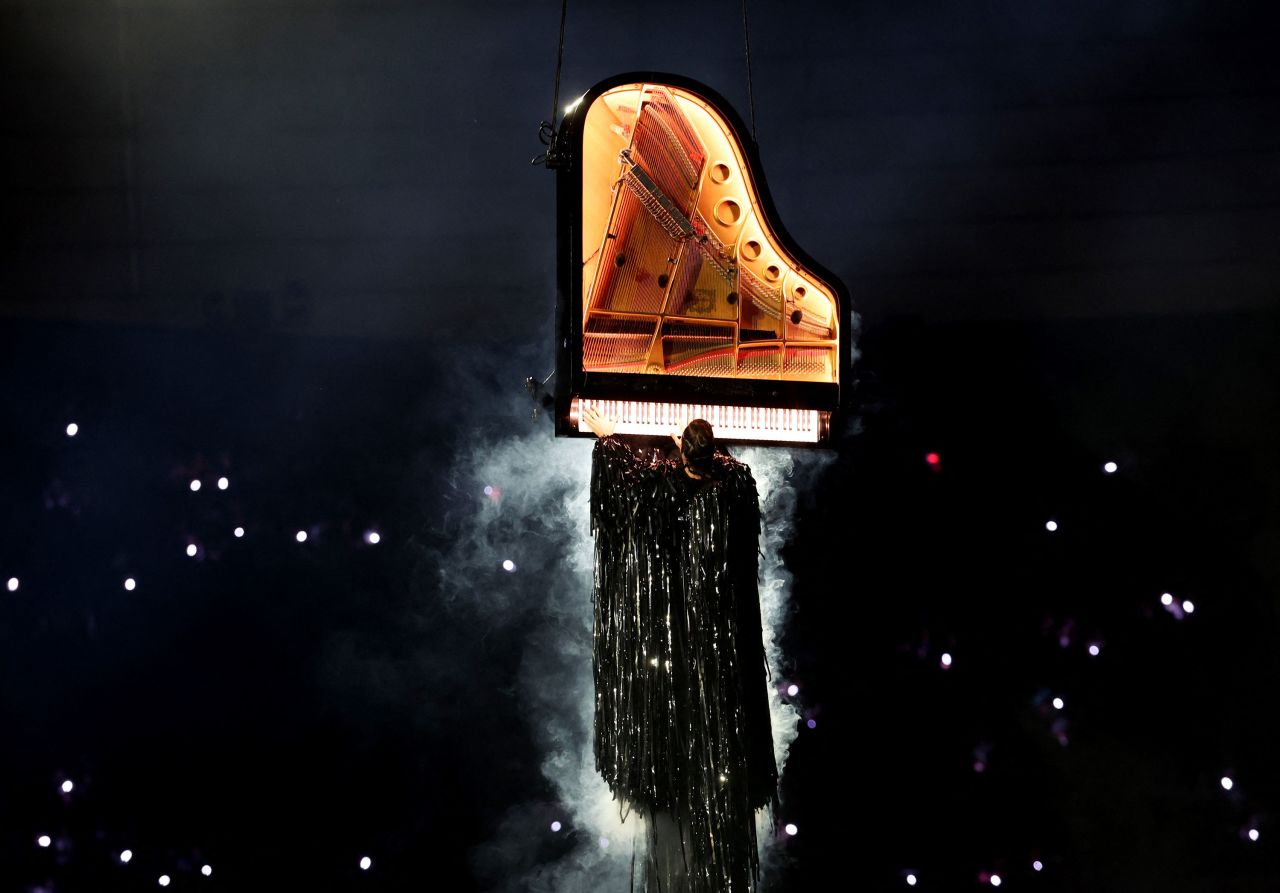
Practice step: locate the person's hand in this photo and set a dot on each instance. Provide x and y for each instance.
(600, 426)
(676, 435)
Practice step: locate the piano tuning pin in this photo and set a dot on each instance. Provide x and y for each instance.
(732, 297)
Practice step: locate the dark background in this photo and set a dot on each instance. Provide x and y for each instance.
(300, 243)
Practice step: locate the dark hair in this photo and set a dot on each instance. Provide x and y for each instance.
(698, 443)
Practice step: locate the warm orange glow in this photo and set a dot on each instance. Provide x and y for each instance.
(682, 272)
(755, 423)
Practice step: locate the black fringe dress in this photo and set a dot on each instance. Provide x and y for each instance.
(682, 729)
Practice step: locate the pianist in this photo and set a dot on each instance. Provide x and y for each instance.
(682, 731)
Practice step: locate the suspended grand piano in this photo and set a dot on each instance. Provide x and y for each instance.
(680, 295)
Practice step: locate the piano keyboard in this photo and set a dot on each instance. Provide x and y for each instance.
(754, 423)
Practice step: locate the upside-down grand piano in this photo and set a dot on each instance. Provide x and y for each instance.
(680, 296)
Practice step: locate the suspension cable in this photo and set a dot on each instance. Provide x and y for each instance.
(555, 96)
(547, 129)
(751, 98)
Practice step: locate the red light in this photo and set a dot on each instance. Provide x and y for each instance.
(932, 459)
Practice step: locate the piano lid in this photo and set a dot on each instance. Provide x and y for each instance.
(677, 284)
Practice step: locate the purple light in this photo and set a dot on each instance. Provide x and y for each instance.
(1037, 865)
(945, 661)
(1094, 650)
(604, 842)
(556, 826)
(813, 723)
(793, 690)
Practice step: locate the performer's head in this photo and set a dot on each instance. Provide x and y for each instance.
(698, 445)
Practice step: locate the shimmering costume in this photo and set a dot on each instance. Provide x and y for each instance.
(681, 716)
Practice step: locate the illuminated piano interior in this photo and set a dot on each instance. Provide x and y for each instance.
(682, 273)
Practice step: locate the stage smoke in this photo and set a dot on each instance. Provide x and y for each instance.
(542, 520)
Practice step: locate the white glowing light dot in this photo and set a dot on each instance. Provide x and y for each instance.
(1253, 833)
(125, 856)
(791, 830)
(130, 584)
(604, 843)
(813, 723)
(509, 566)
(365, 863)
(44, 840)
(911, 880)
(164, 880)
(1166, 599)
(1050, 526)
(73, 429)
(995, 880)
(192, 549)
(793, 690)
(223, 483)
(1037, 865)
(556, 826)
(488, 490)
(373, 537)
(206, 870)
(1094, 650)
(1227, 783)
(945, 660)
(239, 532)
(13, 584)
(68, 786)
(1058, 704)
(301, 536)
(1189, 606)
(1110, 468)
(195, 486)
